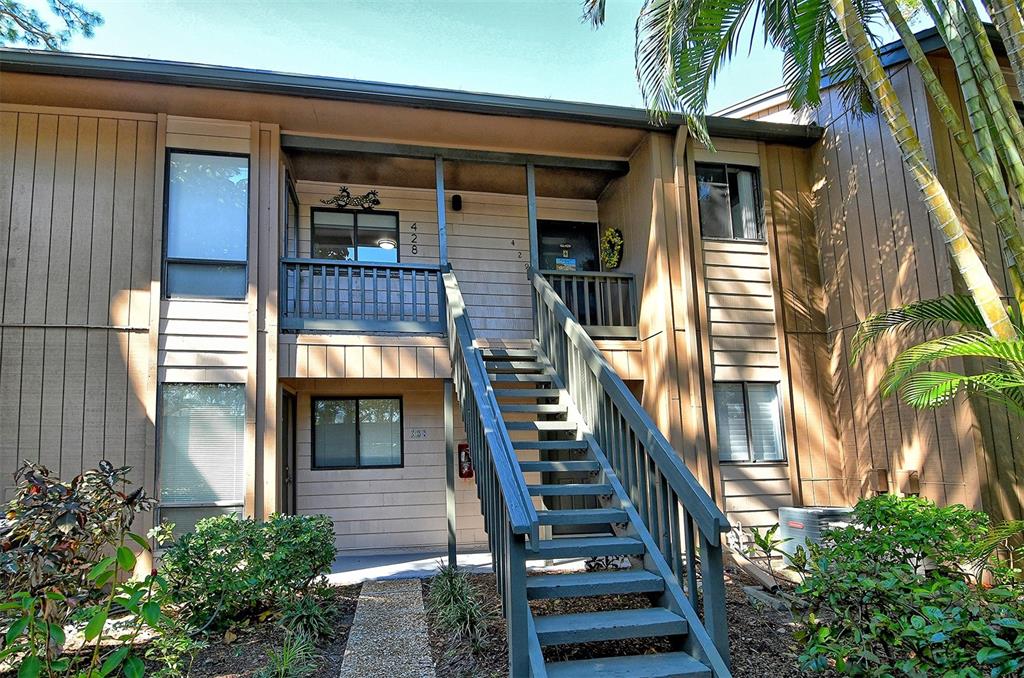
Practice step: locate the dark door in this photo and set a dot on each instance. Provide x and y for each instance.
(567, 245)
(288, 407)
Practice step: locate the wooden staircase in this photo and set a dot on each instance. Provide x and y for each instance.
(552, 447)
(569, 466)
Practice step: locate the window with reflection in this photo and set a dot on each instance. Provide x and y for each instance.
(207, 242)
(355, 236)
(357, 433)
(729, 202)
(201, 454)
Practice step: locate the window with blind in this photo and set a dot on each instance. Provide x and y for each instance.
(207, 239)
(749, 421)
(357, 433)
(729, 202)
(202, 440)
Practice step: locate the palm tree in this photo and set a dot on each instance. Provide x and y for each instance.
(681, 45)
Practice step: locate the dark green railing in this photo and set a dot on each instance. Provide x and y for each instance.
(679, 514)
(510, 518)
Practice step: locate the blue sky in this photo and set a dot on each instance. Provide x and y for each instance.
(536, 48)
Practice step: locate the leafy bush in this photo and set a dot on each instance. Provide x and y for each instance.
(899, 592)
(458, 609)
(65, 559)
(307, 615)
(230, 567)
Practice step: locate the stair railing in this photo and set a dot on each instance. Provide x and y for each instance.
(509, 514)
(677, 511)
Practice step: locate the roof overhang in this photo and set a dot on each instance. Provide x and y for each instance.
(271, 82)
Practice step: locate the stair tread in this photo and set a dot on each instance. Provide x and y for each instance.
(533, 408)
(516, 366)
(557, 466)
(504, 353)
(665, 665)
(540, 378)
(569, 489)
(579, 584)
(540, 425)
(550, 444)
(603, 545)
(594, 516)
(584, 627)
(526, 393)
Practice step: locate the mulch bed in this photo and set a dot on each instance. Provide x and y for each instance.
(761, 640)
(246, 654)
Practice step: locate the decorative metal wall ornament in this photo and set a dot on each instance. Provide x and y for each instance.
(367, 201)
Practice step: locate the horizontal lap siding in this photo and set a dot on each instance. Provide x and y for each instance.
(76, 202)
(389, 509)
(488, 244)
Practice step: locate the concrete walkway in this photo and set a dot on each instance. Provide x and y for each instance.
(389, 633)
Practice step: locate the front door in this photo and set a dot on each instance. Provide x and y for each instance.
(287, 447)
(567, 245)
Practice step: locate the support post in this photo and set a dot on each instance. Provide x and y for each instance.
(517, 609)
(449, 466)
(713, 588)
(531, 214)
(442, 220)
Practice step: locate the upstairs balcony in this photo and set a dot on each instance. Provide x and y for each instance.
(367, 258)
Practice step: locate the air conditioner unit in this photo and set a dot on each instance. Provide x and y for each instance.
(804, 525)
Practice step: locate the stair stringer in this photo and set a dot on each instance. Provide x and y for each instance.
(698, 642)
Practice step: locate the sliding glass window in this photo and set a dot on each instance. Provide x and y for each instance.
(207, 239)
(355, 236)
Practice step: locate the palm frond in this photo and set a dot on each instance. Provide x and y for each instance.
(959, 309)
(926, 390)
(593, 12)
(962, 345)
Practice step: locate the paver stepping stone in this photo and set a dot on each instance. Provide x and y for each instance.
(389, 633)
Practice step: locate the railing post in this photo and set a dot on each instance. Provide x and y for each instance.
(449, 467)
(517, 608)
(442, 221)
(713, 589)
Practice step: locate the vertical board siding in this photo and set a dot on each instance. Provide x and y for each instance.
(388, 509)
(76, 196)
(878, 250)
(999, 470)
(488, 244)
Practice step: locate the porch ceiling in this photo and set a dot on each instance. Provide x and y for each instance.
(361, 168)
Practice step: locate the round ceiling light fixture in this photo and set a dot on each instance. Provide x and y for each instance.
(386, 244)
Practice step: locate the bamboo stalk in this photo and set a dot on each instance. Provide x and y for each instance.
(963, 253)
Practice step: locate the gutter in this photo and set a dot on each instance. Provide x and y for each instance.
(363, 91)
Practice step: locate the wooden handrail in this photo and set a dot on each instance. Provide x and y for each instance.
(521, 513)
(589, 274)
(361, 264)
(694, 497)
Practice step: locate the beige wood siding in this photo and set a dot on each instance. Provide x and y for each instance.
(741, 308)
(76, 190)
(488, 245)
(389, 509)
(878, 250)
(1000, 443)
(812, 439)
(320, 356)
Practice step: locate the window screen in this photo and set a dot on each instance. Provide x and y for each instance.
(749, 421)
(355, 236)
(729, 200)
(357, 432)
(202, 439)
(207, 225)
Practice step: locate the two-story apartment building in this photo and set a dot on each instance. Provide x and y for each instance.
(388, 304)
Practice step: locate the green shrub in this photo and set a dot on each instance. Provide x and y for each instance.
(67, 555)
(457, 607)
(899, 592)
(230, 567)
(308, 615)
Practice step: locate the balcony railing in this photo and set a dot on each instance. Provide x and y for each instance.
(350, 296)
(604, 303)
